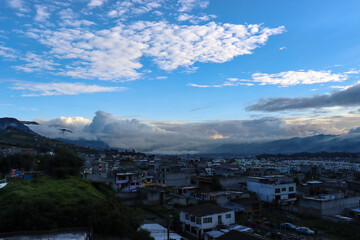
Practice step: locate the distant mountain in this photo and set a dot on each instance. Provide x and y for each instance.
(13, 123)
(320, 143)
(30, 123)
(100, 145)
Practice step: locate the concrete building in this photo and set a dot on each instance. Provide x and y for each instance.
(198, 219)
(326, 205)
(275, 188)
(173, 179)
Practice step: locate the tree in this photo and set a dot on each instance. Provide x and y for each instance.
(65, 162)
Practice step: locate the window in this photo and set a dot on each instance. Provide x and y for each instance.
(277, 190)
(198, 220)
(192, 219)
(283, 189)
(187, 217)
(208, 220)
(291, 189)
(228, 215)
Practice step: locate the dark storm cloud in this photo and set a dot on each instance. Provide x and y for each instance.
(344, 98)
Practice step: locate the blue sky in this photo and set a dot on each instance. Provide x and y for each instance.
(189, 61)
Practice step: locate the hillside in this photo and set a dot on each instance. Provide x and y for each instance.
(46, 203)
(13, 123)
(17, 138)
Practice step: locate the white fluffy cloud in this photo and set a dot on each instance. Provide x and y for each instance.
(96, 3)
(173, 46)
(175, 137)
(291, 78)
(127, 8)
(115, 54)
(18, 5)
(284, 79)
(51, 89)
(42, 13)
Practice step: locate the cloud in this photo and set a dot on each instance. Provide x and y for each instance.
(115, 54)
(128, 8)
(225, 84)
(291, 78)
(96, 3)
(231, 82)
(52, 89)
(194, 19)
(344, 98)
(189, 5)
(182, 137)
(8, 53)
(36, 63)
(161, 77)
(18, 5)
(173, 46)
(42, 13)
(284, 79)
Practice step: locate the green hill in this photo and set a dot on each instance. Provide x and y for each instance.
(21, 139)
(46, 203)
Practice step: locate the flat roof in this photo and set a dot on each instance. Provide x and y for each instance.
(205, 210)
(158, 232)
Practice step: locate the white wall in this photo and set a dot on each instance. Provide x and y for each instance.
(213, 224)
(266, 192)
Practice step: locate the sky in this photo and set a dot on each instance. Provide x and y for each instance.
(189, 73)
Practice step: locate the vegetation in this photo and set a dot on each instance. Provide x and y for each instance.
(65, 162)
(21, 139)
(47, 203)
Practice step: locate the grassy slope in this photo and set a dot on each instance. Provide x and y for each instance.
(45, 203)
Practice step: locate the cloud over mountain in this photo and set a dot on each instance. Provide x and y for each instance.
(183, 137)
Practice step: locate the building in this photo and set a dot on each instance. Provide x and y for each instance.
(327, 204)
(127, 182)
(173, 179)
(274, 188)
(198, 219)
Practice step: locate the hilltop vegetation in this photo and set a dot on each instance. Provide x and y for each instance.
(47, 203)
(65, 162)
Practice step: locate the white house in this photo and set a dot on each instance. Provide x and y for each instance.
(202, 218)
(273, 188)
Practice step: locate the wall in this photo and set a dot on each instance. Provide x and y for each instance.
(266, 192)
(213, 224)
(327, 207)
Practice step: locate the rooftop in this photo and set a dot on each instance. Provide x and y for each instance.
(205, 210)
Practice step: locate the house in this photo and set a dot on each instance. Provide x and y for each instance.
(274, 188)
(198, 219)
(127, 182)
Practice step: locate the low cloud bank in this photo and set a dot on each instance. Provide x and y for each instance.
(176, 138)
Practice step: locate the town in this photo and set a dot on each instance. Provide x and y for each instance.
(299, 196)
